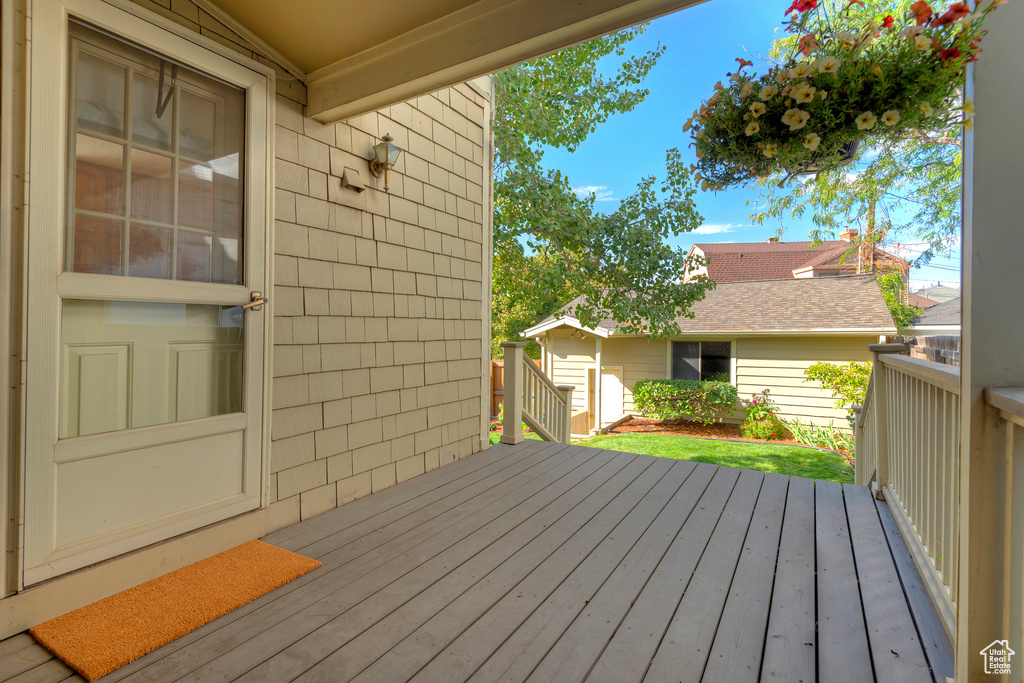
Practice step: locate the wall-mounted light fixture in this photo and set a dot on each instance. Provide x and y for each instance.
(384, 157)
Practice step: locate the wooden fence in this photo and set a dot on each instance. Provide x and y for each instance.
(498, 385)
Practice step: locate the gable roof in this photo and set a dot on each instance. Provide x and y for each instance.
(744, 261)
(823, 304)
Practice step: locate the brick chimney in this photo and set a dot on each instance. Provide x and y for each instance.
(848, 235)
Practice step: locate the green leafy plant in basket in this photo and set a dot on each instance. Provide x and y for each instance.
(843, 82)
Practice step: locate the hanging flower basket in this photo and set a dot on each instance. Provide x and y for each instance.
(819, 163)
(846, 80)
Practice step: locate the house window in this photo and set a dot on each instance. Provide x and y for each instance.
(158, 152)
(703, 360)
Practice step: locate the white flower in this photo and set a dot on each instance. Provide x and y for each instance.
(757, 109)
(969, 125)
(736, 77)
(781, 77)
(770, 149)
(866, 121)
(827, 65)
(752, 128)
(925, 108)
(923, 43)
(719, 86)
(968, 108)
(811, 141)
(688, 125)
(801, 71)
(891, 118)
(795, 118)
(912, 31)
(871, 26)
(845, 37)
(746, 90)
(803, 93)
(768, 92)
(877, 70)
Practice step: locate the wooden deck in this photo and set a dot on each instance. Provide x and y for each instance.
(545, 562)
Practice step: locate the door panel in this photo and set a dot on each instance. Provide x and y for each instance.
(611, 395)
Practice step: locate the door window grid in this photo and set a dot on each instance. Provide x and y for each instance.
(179, 234)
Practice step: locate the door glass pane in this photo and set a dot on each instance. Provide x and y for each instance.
(128, 364)
(149, 251)
(98, 245)
(153, 109)
(186, 144)
(99, 175)
(152, 193)
(100, 95)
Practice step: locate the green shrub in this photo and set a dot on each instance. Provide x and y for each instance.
(762, 420)
(769, 429)
(848, 383)
(684, 399)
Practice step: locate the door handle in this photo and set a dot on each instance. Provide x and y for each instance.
(256, 304)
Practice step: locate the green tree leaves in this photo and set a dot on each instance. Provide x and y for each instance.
(552, 245)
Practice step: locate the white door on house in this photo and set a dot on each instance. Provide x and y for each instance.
(611, 395)
(148, 421)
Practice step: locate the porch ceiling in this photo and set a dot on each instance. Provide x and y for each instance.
(357, 59)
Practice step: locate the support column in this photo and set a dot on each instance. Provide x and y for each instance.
(597, 383)
(992, 330)
(566, 391)
(512, 413)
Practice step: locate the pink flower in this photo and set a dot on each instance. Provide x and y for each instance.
(802, 6)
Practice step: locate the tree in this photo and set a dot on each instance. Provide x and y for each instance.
(893, 288)
(906, 189)
(550, 244)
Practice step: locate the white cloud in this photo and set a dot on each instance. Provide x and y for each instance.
(717, 228)
(600, 192)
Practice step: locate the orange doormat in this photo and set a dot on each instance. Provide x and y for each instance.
(106, 635)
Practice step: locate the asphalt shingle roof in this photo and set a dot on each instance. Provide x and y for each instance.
(946, 313)
(740, 261)
(793, 304)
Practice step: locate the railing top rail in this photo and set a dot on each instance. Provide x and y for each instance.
(943, 376)
(1010, 400)
(532, 368)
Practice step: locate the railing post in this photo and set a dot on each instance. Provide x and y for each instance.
(880, 414)
(566, 390)
(858, 427)
(512, 414)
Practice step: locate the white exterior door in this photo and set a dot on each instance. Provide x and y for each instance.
(611, 394)
(147, 238)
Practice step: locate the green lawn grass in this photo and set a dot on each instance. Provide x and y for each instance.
(784, 459)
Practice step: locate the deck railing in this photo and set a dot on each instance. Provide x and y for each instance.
(1008, 404)
(908, 449)
(532, 398)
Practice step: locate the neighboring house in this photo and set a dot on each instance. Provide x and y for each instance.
(939, 293)
(756, 335)
(915, 299)
(776, 260)
(935, 335)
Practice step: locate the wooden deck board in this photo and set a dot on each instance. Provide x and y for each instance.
(546, 562)
(552, 525)
(895, 647)
(843, 652)
(683, 649)
(739, 642)
(791, 640)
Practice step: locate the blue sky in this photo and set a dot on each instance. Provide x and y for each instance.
(703, 43)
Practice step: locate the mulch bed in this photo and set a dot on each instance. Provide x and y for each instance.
(718, 430)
